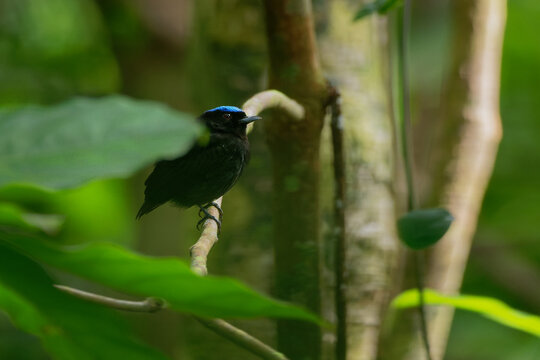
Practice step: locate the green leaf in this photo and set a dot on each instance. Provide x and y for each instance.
(491, 308)
(166, 278)
(378, 6)
(13, 216)
(419, 229)
(84, 139)
(388, 5)
(68, 328)
(52, 50)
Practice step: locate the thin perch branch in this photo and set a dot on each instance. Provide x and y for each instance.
(149, 305)
(273, 99)
(209, 236)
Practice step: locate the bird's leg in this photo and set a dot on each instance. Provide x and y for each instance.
(207, 215)
(214, 204)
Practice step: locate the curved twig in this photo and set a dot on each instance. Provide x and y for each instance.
(273, 99)
(149, 305)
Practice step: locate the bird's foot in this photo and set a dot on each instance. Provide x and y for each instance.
(214, 204)
(207, 215)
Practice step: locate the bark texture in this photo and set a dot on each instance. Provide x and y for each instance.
(353, 53)
(294, 148)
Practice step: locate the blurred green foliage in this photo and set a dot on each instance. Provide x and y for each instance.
(50, 50)
(68, 327)
(512, 205)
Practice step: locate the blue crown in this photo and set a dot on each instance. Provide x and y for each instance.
(231, 109)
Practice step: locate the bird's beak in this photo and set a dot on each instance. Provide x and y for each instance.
(250, 119)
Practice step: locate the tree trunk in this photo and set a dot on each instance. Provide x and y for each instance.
(476, 139)
(294, 148)
(355, 56)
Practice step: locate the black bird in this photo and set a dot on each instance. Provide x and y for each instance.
(206, 171)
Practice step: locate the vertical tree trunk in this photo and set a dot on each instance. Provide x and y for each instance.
(466, 134)
(294, 147)
(354, 55)
(476, 139)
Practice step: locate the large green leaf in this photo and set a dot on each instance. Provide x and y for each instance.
(84, 139)
(493, 309)
(69, 328)
(166, 278)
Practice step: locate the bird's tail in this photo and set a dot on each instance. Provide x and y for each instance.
(145, 209)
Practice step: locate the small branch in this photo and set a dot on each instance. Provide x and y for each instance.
(273, 99)
(149, 305)
(209, 236)
(338, 149)
(243, 339)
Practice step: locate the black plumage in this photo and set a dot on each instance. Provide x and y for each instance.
(206, 171)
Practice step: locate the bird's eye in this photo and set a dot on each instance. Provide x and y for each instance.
(227, 116)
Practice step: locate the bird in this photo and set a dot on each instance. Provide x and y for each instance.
(207, 171)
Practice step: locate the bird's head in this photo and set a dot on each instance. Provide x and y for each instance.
(227, 119)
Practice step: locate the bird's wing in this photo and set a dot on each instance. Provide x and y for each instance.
(202, 168)
(166, 176)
